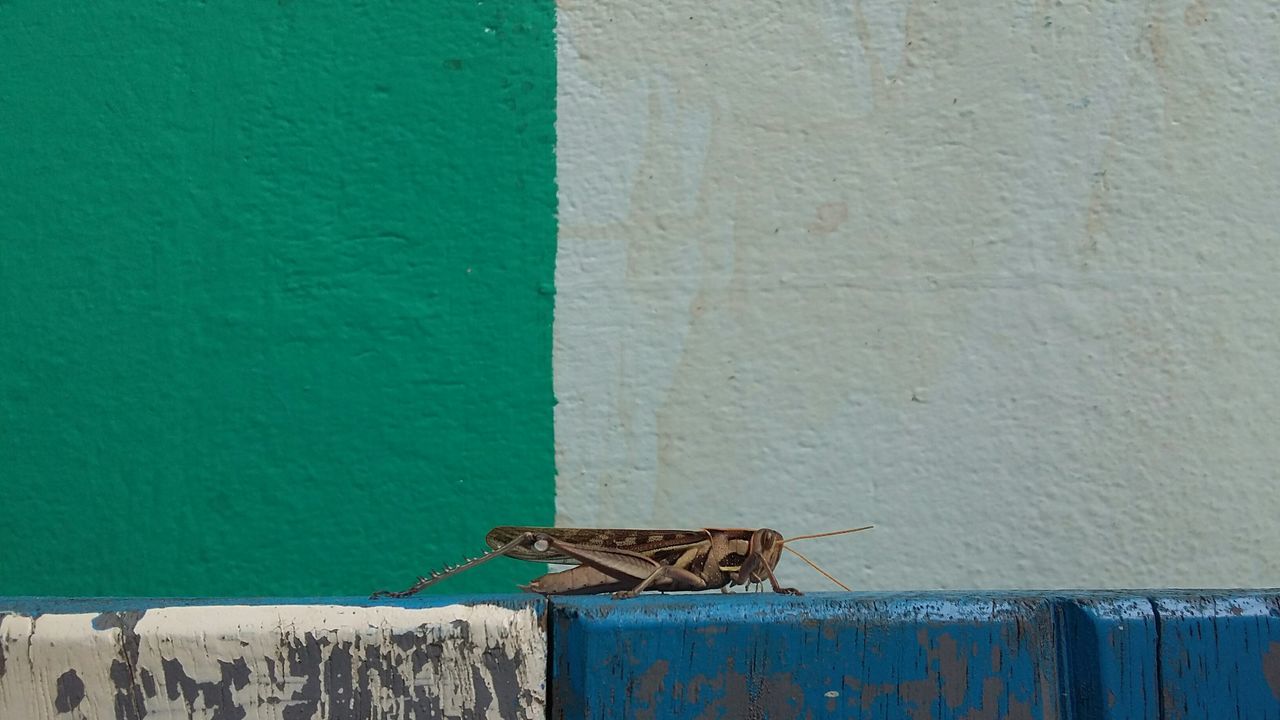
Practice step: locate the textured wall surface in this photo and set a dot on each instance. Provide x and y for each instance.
(279, 662)
(275, 292)
(998, 278)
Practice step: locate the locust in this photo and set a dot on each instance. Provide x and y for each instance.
(629, 562)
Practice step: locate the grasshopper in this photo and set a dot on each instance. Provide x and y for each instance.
(628, 562)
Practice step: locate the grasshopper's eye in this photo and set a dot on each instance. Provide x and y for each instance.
(541, 545)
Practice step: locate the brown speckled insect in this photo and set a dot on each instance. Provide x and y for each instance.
(628, 562)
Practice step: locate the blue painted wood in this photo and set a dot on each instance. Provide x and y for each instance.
(1219, 655)
(819, 656)
(1108, 648)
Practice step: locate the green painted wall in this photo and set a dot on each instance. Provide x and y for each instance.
(275, 292)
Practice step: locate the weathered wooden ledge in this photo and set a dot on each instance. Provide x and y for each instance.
(289, 659)
(1160, 655)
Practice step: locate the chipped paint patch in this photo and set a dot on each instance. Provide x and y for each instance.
(286, 662)
(1271, 668)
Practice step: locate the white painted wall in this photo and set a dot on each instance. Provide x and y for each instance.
(1000, 278)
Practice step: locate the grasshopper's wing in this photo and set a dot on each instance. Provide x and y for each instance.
(639, 541)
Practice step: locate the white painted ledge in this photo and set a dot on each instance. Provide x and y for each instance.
(291, 662)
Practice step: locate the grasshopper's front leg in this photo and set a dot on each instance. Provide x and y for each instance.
(757, 566)
(753, 567)
(777, 587)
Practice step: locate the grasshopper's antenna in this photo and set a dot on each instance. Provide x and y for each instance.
(814, 565)
(828, 534)
(811, 563)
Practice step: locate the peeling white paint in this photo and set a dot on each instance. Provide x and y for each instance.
(40, 651)
(320, 660)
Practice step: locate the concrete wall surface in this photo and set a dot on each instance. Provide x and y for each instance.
(1000, 278)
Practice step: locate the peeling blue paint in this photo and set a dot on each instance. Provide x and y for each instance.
(830, 655)
(1030, 656)
(1219, 656)
(1109, 647)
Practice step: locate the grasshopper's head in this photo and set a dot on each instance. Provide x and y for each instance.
(765, 545)
(764, 550)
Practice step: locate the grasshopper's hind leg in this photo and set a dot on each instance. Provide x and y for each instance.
(676, 573)
(521, 540)
(683, 579)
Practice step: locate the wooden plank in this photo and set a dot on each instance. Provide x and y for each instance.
(1108, 647)
(129, 660)
(1219, 655)
(819, 656)
(1103, 656)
